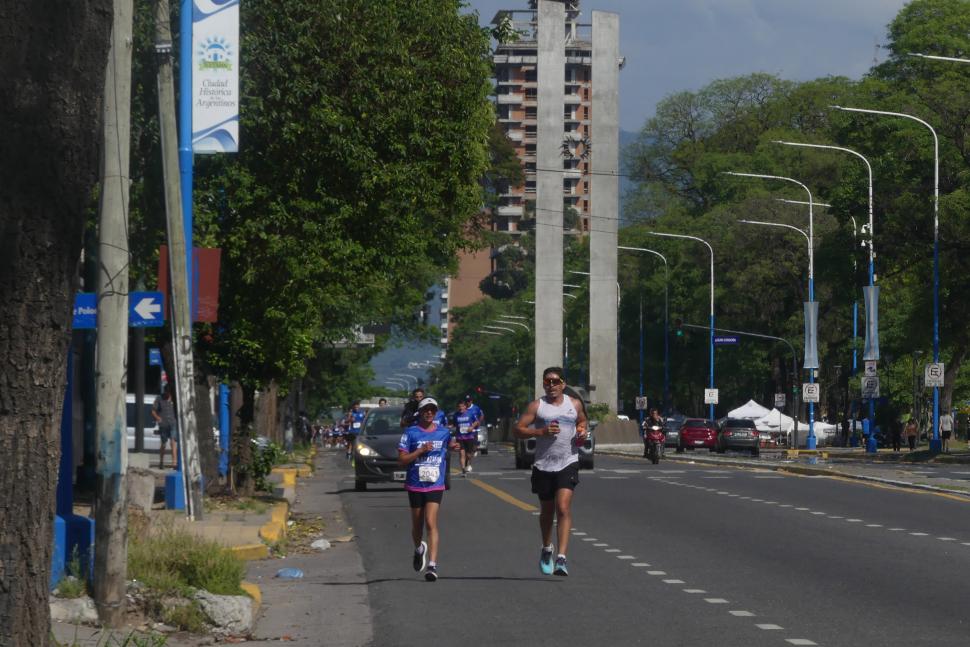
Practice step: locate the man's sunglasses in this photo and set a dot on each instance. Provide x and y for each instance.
(552, 381)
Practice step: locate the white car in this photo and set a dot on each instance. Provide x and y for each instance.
(152, 441)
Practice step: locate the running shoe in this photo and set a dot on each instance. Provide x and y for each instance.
(545, 561)
(561, 568)
(420, 557)
(468, 469)
(431, 573)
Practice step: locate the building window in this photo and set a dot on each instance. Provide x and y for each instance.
(530, 132)
(530, 186)
(586, 113)
(531, 94)
(531, 112)
(531, 76)
(530, 150)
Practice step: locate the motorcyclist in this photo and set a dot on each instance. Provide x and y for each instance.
(653, 419)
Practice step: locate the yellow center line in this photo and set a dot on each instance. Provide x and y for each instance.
(505, 496)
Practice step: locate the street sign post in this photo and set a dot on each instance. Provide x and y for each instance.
(710, 396)
(725, 340)
(145, 310)
(810, 392)
(641, 403)
(872, 368)
(933, 375)
(779, 401)
(85, 311)
(154, 357)
(870, 388)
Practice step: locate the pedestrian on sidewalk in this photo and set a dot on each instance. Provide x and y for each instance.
(163, 411)
(912, 432)
(423, 449)
(896, 432)
(558, 424)
(946, 430)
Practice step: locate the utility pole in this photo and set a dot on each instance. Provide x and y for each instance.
(111, 504)
(180, 307)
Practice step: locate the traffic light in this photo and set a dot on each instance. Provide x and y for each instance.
(679, 327)
(479, 389)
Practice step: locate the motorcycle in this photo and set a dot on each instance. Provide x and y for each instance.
(653, 442)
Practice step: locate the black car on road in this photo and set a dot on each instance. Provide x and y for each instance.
(738, 433)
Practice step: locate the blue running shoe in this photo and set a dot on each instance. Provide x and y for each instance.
(561, 568)
(545, 562)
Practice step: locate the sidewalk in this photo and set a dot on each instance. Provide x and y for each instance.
(900, 469)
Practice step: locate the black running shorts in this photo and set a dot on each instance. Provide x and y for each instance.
(419, 499)
(545, 484)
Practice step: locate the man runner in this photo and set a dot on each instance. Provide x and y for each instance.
(464, 423)
(355, 420)
(478, 415)
(558, 424)
(423, 449)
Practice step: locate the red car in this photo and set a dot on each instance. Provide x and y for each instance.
(697, 433)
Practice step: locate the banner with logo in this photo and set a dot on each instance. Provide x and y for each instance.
(811, 334)
(215, 76)
(871, 294)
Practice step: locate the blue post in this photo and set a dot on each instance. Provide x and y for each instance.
(810, 442)
(641, 357)
(224, 430)
(711, 406)
(855, 335)
(936, 444)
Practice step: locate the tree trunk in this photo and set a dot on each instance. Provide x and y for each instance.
(241, 447)
(52, 66)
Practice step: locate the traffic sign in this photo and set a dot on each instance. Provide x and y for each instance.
(641, 402)
(710, 396)
(145, 309)
(724, 340)
(872, 368)
(779, 400)
(85, 311)
(810, 392)
(870, 387)
(933, 375)
(154, 357)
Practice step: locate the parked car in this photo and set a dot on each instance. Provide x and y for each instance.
(738, 433)
(375, 450)
(152, 441)
(483, 439)
(697, 433)
(672, 425)
(525, 448)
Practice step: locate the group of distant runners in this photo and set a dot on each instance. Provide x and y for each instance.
(558, 424)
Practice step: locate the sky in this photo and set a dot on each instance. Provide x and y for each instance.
(676, 45)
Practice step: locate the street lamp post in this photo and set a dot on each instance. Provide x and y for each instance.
(711, 335)
(666, 391)
(871, 245)
(935, 443)
(810, 442)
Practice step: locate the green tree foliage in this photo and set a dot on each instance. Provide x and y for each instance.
(364, 137)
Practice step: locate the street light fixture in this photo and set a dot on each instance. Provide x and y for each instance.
(666, 392)
(711, 336)
(941, 58)
(935, 443)
(810, 442)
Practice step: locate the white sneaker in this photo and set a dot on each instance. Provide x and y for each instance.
(468, 469)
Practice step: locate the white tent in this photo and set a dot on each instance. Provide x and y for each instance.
(749, 411)
(775, 420)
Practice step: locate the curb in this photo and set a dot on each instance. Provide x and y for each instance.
(252, 590)
(250, 552)
(275, 529)
(808, 471)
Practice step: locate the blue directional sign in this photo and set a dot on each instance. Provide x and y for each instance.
(85, 311)
(154, 357)
(724, 340)
(145, 309)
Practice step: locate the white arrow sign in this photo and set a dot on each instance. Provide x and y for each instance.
(147, 308)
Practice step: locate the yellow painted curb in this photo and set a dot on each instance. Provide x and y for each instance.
(253, 591)
(288, 474)
(794, 453)
(275, 529)
(250, 552)
(304, 472)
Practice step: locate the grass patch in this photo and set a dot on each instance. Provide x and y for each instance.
(111, 639)
(187, 617)
(171, 561)
(242, 504)
(73, 585)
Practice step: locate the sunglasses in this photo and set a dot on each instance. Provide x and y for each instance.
(552, 381)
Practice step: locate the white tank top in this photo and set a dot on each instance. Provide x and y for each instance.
(555, 453)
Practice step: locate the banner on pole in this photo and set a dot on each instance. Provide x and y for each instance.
(811, 334)
(871, 294)
(215, 76)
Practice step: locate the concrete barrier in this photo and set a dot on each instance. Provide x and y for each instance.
(617, 431)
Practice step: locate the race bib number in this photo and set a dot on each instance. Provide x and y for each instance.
(356, 425)
(463, 429)
(428, 473)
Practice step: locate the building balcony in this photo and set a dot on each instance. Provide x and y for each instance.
(505, 99)
(444, 342)
(572, 173)
(511, 210)
(573, 135)
(515, 135)
(573, 99)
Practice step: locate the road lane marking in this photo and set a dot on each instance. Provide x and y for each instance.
(896, 529)
(590, 539)
(625, 557)
(614, 478)
(802, 509)
(600, 545)
(611, 550)
(505, 496)
(742, 614)
(639, 564)
(873, 525)
(656, 572)
(947, 538)
(853, 520)
(835, 516)
(800, 641)
(694, 591)
(919, 534)
(817, 512)
(579, 534)
(769, 627)
(715, 600)
(674, 582)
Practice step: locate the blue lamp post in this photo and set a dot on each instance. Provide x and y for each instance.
(711, 335)
(935, 443)
(811, 359)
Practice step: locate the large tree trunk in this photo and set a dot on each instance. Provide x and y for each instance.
(52, 67)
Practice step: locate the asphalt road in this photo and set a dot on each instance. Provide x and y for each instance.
(672, 554)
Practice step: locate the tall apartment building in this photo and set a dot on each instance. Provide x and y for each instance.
(516, 110)
(516, 106)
